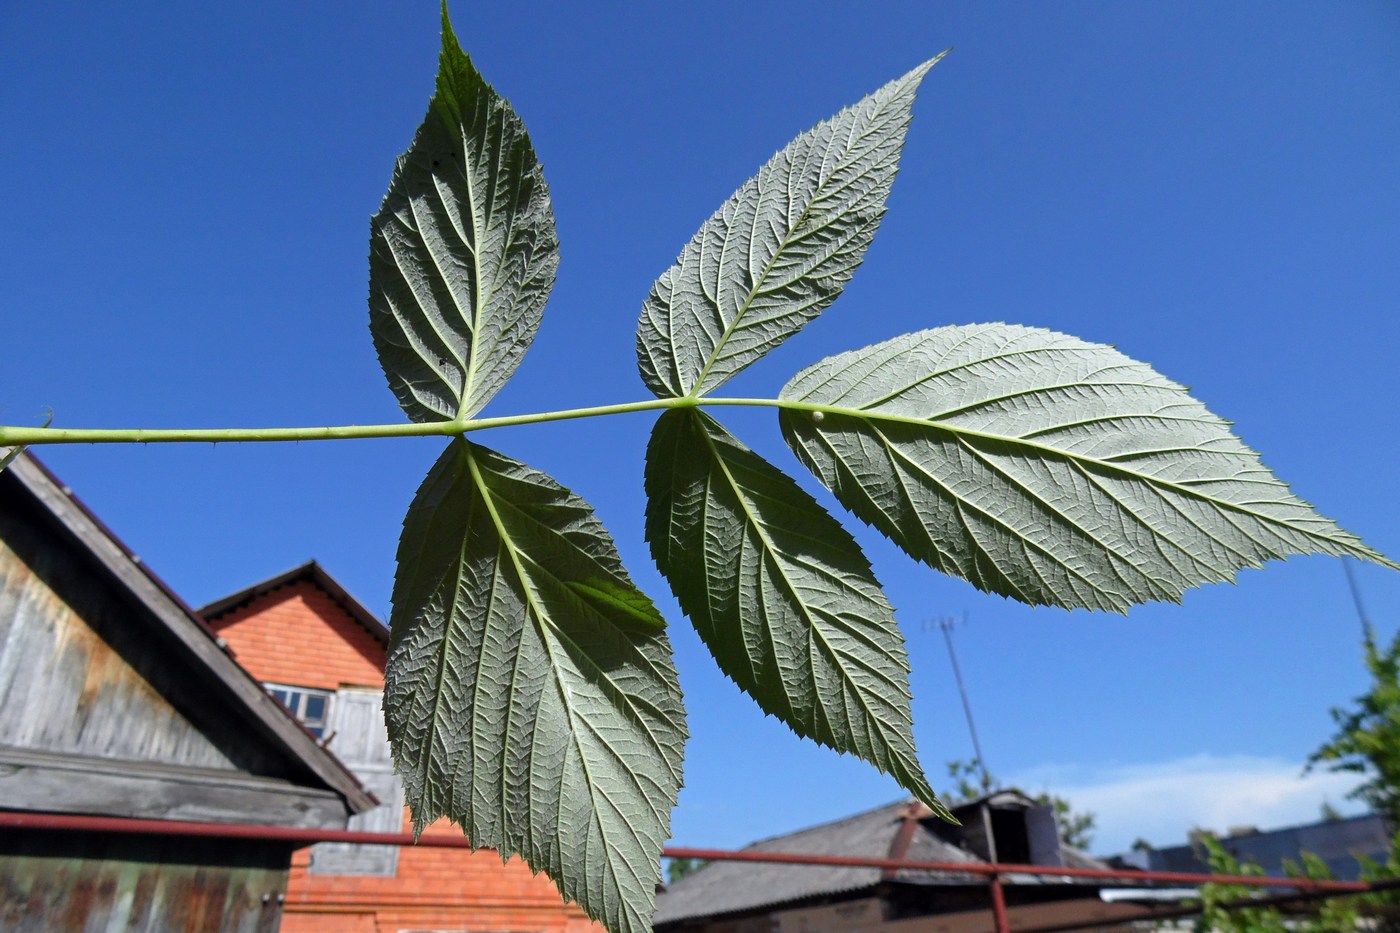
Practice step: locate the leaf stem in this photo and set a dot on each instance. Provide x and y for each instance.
(19, 436)
(11, 436)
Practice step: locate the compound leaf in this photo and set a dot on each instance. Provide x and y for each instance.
(1045, 468)
(779, 251)
(530, 694)
(463, 250)
(781, 594)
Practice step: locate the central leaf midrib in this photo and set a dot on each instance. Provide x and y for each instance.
(861, 415)
(538, 614)
(698, 388)
(1016, 483)
(541, 617)
(480, 296)
(791, 588)
(994, 518)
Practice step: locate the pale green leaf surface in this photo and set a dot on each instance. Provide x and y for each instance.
(781, 594)
(779, 251)
(463, 250)
(530, 693)
(1045, 468)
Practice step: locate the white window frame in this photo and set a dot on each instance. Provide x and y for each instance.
(294, 698)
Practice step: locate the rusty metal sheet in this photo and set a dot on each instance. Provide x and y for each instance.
(88, 883)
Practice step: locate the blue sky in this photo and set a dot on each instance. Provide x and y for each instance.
(1213, 188)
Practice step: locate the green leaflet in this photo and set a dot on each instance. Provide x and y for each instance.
(463, 250)
(779, 251)
(781, 594)
(530, 694)
(1044, 468)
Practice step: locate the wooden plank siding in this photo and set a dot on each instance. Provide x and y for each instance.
(50, 783)
(84, 684)
(77, 674)
(156, 634)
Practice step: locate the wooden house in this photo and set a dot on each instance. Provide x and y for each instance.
(322, 653)
(116, 701)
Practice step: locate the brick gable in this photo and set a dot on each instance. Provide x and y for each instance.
(297, 634)
(300, 634)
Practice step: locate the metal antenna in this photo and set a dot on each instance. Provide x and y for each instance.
(947, 626)
(1366, 630)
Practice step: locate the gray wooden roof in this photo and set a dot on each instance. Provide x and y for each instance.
(202, 659)
(903, 830)
(730, 887)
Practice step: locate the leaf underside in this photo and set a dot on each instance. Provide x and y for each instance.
(1044, 468)
(530, 694)
(463, 250)
(779, 251)
(781, 594)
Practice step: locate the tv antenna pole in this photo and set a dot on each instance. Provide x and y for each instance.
(1366, 630)
(946, 625)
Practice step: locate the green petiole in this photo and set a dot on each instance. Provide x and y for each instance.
(13, 436)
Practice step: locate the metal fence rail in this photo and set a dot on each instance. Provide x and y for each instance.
(1299, 889)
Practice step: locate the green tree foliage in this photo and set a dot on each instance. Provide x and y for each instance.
(1224, 907)
(530, 693)
(678, 868)
(1367, 740)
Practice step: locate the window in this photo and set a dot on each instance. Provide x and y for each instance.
(312, 707)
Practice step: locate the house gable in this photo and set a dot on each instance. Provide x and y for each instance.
(118, 702)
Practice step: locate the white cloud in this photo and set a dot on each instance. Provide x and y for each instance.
(1161, 802)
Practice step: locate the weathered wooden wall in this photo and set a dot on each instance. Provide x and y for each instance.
(82, 883)
(80, 672)
(100, 714)
(116, 701)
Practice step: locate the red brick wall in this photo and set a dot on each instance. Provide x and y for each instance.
(298, 635)
(435, 889)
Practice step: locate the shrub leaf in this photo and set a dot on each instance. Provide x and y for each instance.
(530, 694)
(781, 594)
(1045, 468)
(463, 250)
(779, 251)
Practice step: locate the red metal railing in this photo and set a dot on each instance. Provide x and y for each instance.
(995, 872)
